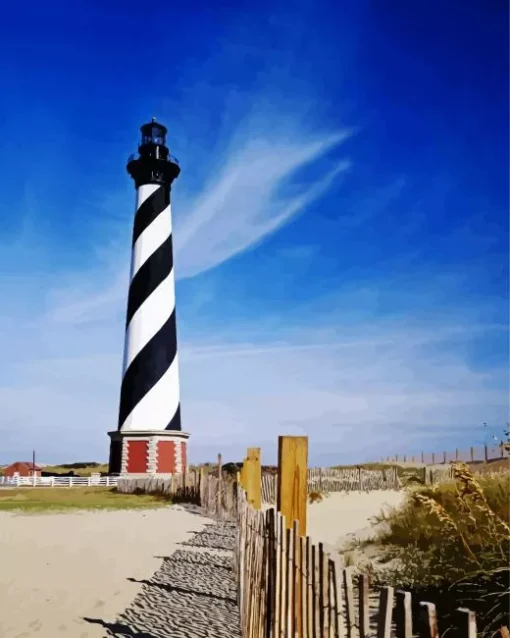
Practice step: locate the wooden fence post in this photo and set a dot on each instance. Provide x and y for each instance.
(292, 480)
(242, 475)
(253, 478)
(291, 495)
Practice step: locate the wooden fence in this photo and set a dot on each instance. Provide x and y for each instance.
(182, 488)
(218, 497)
(58, 481)
(337, 480)
(474, 454)
(290, 587)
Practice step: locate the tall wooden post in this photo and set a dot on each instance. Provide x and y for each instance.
(253, 477)
(292, 494)
(293, 480)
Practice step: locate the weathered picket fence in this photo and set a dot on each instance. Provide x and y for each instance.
(338, 480)
(181, 488)
(289, 586)
(218, 497)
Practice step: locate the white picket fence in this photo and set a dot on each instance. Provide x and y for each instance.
(59, 481)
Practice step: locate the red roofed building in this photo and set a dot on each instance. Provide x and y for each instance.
(22, 468)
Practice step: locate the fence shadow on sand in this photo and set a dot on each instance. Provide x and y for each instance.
(192, 593)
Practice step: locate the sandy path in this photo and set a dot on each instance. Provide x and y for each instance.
(192, 595)
(56, 569)
(344, 515)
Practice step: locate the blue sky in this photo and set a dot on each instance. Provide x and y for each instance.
(341, 221)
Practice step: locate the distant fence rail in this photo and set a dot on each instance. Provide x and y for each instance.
(480, 453)
(58, 481)
(337, 480)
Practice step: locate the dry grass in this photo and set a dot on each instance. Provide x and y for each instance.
(40, 500)
(452, 543)
(316, 497)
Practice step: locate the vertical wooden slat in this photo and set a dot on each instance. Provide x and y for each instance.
(303, 589)
(320, 589)
(298, 631)
(324, 563)
(316, 585)
(428, 621)
(310, 582)
(219, 508)
(278, 579)
(385, 613)
(337, 577)
(271, 563)
(289, 584)
(364, 606)
(283, 571)
(467, 622)
(350, 619)
(404, 615)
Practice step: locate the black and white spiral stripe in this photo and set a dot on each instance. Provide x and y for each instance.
(150, 385)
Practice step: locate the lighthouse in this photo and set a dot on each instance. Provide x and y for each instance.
(149, 439)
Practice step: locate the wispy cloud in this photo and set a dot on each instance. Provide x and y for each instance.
(242, 205)
(236, 209)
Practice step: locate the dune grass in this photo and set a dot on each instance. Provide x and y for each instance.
(62, 499)
(450, 544)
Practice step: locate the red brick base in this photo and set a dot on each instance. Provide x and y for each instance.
(148, 453)
(166, 457)
(137, 456)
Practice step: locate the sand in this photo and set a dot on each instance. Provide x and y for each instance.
(343, 516)
(56, 569)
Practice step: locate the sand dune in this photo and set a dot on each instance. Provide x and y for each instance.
(345, 515)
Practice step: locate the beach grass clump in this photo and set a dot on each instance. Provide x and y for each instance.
(62, 499)
(316, 496)
(451, 543)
